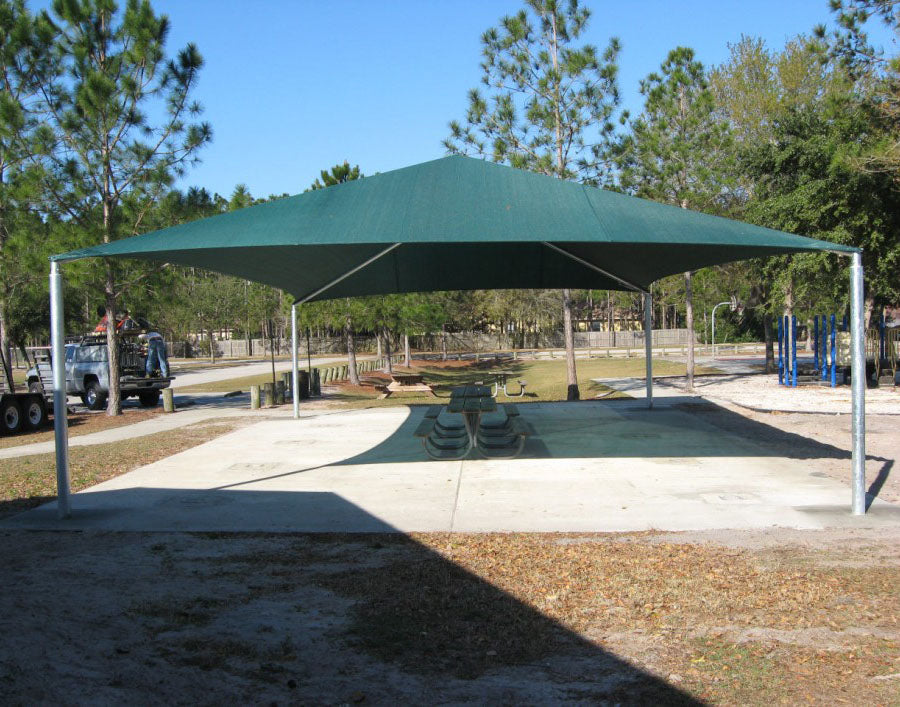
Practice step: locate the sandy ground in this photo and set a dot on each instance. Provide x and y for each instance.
(107, 618)
(818, 415)
(162, 618)
(762, 392)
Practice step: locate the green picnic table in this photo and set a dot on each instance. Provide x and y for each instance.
(472, 401)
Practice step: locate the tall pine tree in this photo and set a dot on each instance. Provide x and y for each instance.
(677, 150)
(548, 106)
(117, 76)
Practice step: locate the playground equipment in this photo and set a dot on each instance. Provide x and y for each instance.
(831, 352)
(884, 345)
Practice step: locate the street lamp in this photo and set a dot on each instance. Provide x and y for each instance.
(734, 306)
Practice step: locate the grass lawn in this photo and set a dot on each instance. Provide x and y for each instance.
(26, 482)
(546, 379)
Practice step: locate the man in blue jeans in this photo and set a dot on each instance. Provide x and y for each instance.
(156, 354)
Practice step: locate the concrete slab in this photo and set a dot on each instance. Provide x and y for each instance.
(589, 466)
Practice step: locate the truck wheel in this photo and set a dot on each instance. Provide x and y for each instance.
(35, 412)
(149, 398)
(10, 416)
(94, 398)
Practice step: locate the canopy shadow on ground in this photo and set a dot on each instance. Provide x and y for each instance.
(413, 608)
(679, 428)
(622, 429)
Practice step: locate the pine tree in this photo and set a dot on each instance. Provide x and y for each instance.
(348, 309)
(117, 76)
(877, 72)
(26, 64)
(549, 105)
(339, 174)
(677, 150)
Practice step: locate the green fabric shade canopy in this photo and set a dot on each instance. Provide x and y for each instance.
(455, 223)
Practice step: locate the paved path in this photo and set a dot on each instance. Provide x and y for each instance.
(192, 408)
(227, 407)
(589, 466)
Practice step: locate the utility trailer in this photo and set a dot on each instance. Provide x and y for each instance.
(20, 411)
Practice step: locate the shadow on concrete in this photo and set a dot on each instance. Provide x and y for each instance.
(597, 429)
(415, 609)
(593, 429)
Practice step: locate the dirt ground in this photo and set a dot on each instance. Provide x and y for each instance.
(821, 438)
(777, 616)
(717, 617)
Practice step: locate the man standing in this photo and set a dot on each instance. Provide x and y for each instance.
(156, 354)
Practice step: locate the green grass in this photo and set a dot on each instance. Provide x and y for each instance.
(26, 482)
(546, 380)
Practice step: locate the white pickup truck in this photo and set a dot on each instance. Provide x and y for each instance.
(87, 372)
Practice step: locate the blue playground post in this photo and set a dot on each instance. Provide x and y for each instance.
(833, 356)
(815, 333)
(824, 348)
(844, 324)
(780, 352)
(793, 352)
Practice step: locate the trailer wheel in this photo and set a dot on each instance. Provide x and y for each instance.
(149, 398)
(35, 412)
(10, 416)
(94, 398)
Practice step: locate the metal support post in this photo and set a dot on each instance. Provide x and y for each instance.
(858, 382)
(60, 421)
(648, 345)
(825, 348)
(295, 374)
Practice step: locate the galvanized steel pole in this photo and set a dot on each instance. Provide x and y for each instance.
(858, 382)
(295, 376)
(648, 345)
(58, 359)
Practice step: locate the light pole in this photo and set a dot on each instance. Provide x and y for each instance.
(713, 341)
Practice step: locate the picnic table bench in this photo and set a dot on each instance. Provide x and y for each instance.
(500, 381)
(406, 383)
(499, 439)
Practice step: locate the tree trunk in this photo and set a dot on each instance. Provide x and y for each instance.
(114, 402)
(443, 342)
(572, 392)
(789, 299)
(4, 341)
(770, 344)
(377, 345)
(869, 311)
(689, 323)
(271, 327)
(351, 353)
(406, 358)
(212, 345)
(389, 366)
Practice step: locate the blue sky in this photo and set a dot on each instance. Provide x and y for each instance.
(291, 87)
